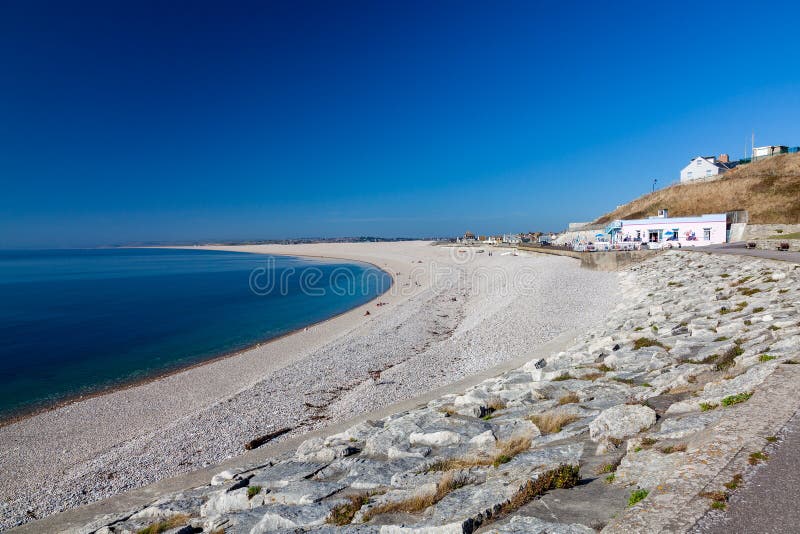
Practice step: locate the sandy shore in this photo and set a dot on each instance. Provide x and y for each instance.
(432, 330)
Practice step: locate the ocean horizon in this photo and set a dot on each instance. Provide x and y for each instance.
(81, 321)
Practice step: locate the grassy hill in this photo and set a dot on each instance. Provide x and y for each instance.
(768, 189)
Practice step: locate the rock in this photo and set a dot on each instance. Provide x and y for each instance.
(443, 438)
(539, 364)
(316, 450)
(224, 502)
(483, 440)
(533, 525)
(279, 475)
(278, 517)
(622, 421)
(221, 478)
(302, 492)
(453, 528)
(681, 427)
(647, 468)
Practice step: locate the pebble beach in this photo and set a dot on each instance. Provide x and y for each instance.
(647, 422)
(447, 317)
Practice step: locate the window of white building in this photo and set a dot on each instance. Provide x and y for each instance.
(706, 234)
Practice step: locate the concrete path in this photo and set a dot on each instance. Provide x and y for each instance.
(768, 500)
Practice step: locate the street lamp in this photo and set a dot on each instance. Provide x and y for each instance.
(654, 184)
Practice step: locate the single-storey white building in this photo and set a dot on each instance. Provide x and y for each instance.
(704, 167)
(695, 231)
(760, 152)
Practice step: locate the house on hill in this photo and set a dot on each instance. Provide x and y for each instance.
(703, 167)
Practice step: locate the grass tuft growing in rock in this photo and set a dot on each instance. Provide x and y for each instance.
(756, 458)
(569, 398)
(252, 491)
(730, 400)
(707, 406)
(727, 359)
(765, 358)
(449, 482)
(747, 291)
(563, 477)
(735, 482)
(506, 451)
(718, 498)
(552, 422)
(669, 449)
(165, 525)
(642, 342)
(343, 514)
(562, 377)
(637, 496)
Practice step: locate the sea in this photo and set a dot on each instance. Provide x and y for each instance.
(79, 322)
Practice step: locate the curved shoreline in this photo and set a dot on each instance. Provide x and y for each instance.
(24, 414)
(429, 335)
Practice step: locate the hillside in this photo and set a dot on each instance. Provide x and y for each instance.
(768, 189)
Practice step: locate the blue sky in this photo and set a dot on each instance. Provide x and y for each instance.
(138, 121)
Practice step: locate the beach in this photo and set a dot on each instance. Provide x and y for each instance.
(447, 317)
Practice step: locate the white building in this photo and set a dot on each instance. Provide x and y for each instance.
(760, 152)
(704, 167)
(695, 231)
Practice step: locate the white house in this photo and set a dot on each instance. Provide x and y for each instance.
(704, 167)
(695, 231)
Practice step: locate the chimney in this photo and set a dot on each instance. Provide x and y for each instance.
(723, 158)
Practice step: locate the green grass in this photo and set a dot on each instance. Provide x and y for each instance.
(610, 478)
(727, 359)
(771, 439)
(252, 491)
(343, 514)
(722, 338)
(562, 377)
(637, 496)
(749, 291)
(165, 525)
(758, 309)
(730, 400)
(757, 457)
(643, 342)
(795, 235)
(735, 482)
(765, 358)
(707, 406)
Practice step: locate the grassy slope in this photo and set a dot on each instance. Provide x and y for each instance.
(768, 189)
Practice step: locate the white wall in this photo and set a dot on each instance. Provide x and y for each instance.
(698, 226)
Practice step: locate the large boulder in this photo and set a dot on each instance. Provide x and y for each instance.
(620, 422)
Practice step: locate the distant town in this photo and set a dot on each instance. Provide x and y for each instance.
(656, 230)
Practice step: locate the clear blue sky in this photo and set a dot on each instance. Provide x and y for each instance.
(136, 120)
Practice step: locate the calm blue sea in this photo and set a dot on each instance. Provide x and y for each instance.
(79, 321)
